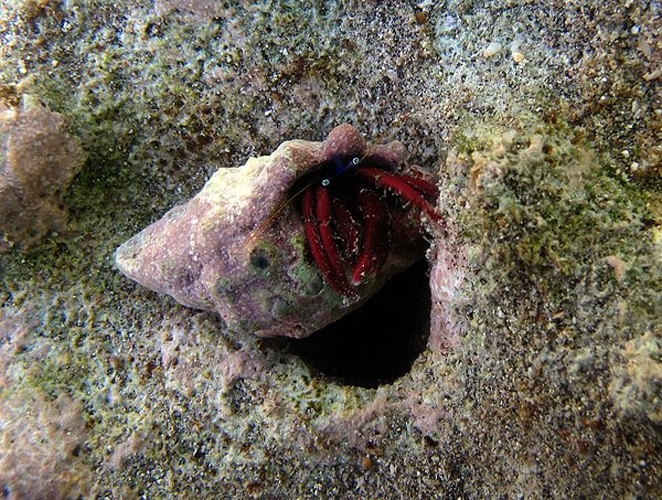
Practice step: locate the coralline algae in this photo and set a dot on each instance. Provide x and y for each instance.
(238, 247)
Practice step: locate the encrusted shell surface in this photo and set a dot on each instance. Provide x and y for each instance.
(238, 247)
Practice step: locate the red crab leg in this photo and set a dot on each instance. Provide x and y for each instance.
(348, 229)
(376, 240)
(397, 184)
(311, 230)
(428, 189)
(323, 214)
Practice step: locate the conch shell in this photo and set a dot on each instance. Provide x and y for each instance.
(238, 247)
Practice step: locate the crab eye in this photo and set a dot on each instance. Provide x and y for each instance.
(356, 160)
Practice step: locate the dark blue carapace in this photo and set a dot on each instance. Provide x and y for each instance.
(340, 168)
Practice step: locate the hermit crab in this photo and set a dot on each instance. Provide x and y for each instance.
(291, 242)
(346, 205)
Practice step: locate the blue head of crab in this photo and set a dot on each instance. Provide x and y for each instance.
(341, 168)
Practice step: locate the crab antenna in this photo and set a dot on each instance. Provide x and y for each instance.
(261, 228)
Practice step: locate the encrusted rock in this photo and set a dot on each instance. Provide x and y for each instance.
(38, 160)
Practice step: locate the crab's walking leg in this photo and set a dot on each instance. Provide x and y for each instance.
(376, 236)
(348, 231)
(311, 230)
(429, 190)
(401, 187)
(327, 237)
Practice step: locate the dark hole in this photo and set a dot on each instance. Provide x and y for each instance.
(379, 342)
(259, 258)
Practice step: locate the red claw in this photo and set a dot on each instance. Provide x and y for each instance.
(428, 189)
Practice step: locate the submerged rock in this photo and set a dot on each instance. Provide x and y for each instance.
(238, 247)
(38, 161)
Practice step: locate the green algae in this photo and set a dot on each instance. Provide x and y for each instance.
(561, 254)
(540, 202)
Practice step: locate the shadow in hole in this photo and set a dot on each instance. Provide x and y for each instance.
(379, 342)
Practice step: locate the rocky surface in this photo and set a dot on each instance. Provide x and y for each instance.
(541, 375)
(38, 160)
